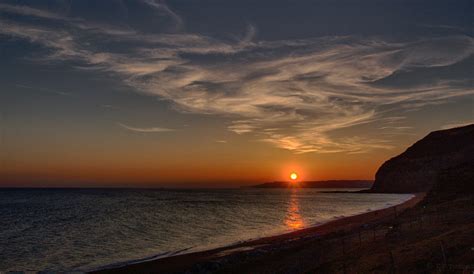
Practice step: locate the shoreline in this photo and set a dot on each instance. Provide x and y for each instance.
(181, 262)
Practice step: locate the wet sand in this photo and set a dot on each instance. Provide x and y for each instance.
(185, 262)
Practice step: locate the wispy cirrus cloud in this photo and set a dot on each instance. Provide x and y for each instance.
(145, 129)
(290, 93)
(458, 124)
(44, 89)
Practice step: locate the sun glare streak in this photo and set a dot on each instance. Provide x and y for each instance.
(293, 218)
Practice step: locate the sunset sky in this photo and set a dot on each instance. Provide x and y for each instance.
(190, 93)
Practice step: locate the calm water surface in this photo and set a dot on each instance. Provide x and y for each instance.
(83, 229)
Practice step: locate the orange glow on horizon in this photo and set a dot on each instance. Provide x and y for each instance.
(293, 172)
(116, 171)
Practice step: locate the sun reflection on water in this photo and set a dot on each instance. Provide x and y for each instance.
(293, 219)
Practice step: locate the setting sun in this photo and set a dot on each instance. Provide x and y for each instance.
(293, 176)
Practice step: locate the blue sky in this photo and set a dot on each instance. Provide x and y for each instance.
(300, 80)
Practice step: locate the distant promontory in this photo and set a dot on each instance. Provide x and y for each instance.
(319, 184)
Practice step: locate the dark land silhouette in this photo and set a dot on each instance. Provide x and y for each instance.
(319, 184)
(441, 162)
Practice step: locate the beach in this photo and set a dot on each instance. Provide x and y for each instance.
(342, 226)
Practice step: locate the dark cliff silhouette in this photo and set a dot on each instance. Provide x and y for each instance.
(440, 163)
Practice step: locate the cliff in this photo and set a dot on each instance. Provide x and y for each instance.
(442, 162)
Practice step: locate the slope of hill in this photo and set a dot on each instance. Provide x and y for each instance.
(443, 161)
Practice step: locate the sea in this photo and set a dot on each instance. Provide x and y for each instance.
(89, 229)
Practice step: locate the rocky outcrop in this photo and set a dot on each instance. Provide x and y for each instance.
(443, 161)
